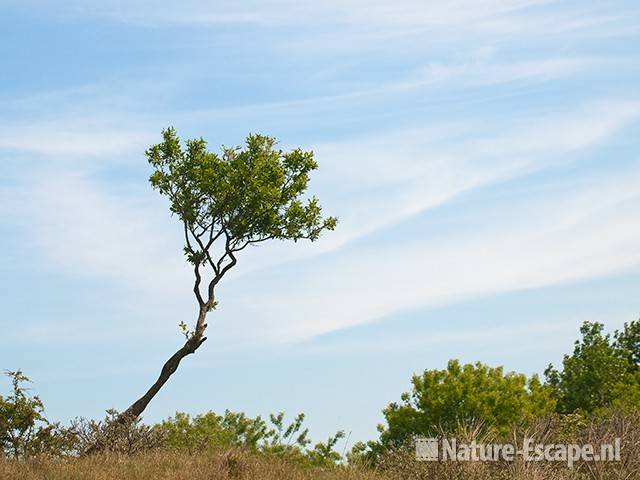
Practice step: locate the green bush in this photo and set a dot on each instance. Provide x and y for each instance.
(24, 430)
(211, 431)
(460, 394)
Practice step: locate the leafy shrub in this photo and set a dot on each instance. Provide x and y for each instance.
(323, 454)
(24, 430)
(210, 432)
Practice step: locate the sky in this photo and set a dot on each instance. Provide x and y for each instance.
(483, 158)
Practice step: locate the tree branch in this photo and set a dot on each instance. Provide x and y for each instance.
(205, 248)
(196, 270)
(222, 270)
(251, 242)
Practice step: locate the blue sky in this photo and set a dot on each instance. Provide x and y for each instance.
(483, 158)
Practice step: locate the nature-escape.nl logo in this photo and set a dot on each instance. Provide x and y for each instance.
(434, 449)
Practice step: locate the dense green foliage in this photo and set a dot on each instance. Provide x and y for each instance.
(444, 400)
(460, 394)
(248, 195)
(210, 431)
(603, 370)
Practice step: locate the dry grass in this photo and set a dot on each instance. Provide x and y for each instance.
(237, 465)
(234, 465)
(401, 464)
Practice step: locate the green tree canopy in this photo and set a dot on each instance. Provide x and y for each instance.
(602, 371)
(241, 197)
(461, 394)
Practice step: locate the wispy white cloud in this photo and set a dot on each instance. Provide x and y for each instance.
(96, 120)
(481, 71)
(493, 336)
(424, 168)
(554, 242)
(85, 228)
(405, 11)
(506, 16)
(52, 139)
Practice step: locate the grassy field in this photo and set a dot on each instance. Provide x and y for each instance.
(235, 464)
(174, 466)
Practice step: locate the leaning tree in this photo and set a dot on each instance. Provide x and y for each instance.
(227, 202)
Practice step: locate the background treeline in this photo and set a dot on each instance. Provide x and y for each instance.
(593, 397)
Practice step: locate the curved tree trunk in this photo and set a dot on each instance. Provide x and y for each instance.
(168, 369)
